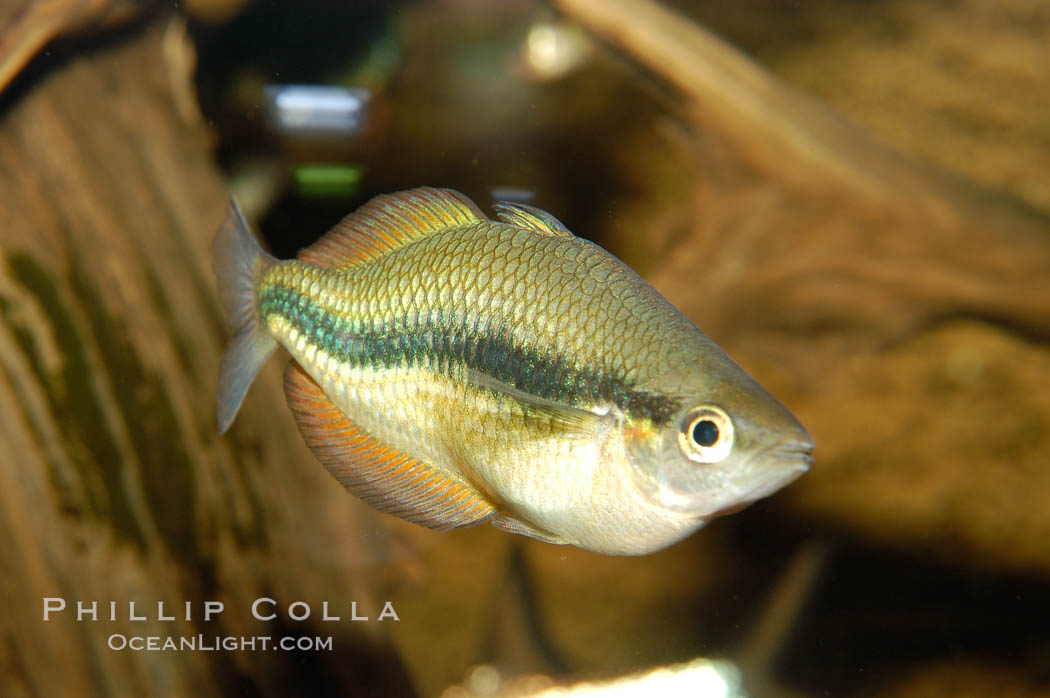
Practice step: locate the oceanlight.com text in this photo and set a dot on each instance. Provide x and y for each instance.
(215, 643)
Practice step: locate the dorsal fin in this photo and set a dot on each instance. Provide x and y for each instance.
(531, 218)
(388, 222)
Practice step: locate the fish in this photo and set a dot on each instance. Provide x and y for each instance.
(452, 369)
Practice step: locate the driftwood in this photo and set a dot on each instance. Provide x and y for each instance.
(903, 313)
(114, 485)
(27, 26)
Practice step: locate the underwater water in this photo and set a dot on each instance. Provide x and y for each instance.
(848, 198)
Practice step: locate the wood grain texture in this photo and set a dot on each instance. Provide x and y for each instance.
(114, 485)
(902, 312)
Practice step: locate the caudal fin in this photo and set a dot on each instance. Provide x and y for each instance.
(239, 261)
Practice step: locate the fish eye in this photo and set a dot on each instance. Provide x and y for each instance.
(706, 434)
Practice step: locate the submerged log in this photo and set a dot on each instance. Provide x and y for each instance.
(114, 485)
(902, 312)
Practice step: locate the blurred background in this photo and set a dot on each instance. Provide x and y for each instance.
(849, 197)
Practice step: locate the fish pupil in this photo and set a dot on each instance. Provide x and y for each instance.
(705, 433)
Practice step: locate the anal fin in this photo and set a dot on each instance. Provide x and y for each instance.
(380, 475)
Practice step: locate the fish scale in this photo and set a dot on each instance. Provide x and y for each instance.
(383, 302)
(452, 369)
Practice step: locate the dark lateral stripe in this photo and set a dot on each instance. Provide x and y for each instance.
(444, 339)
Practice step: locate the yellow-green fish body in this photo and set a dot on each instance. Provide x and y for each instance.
(452, 369)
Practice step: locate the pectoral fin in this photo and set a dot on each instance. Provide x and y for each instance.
(380, 475)
(571, 420)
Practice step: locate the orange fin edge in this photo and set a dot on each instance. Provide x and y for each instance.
(380, 475)
(388, 222)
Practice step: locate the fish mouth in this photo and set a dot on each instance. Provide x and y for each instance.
(789, 458)
(794, 452)
(792, 459)
(780, 465)
(767, 469)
